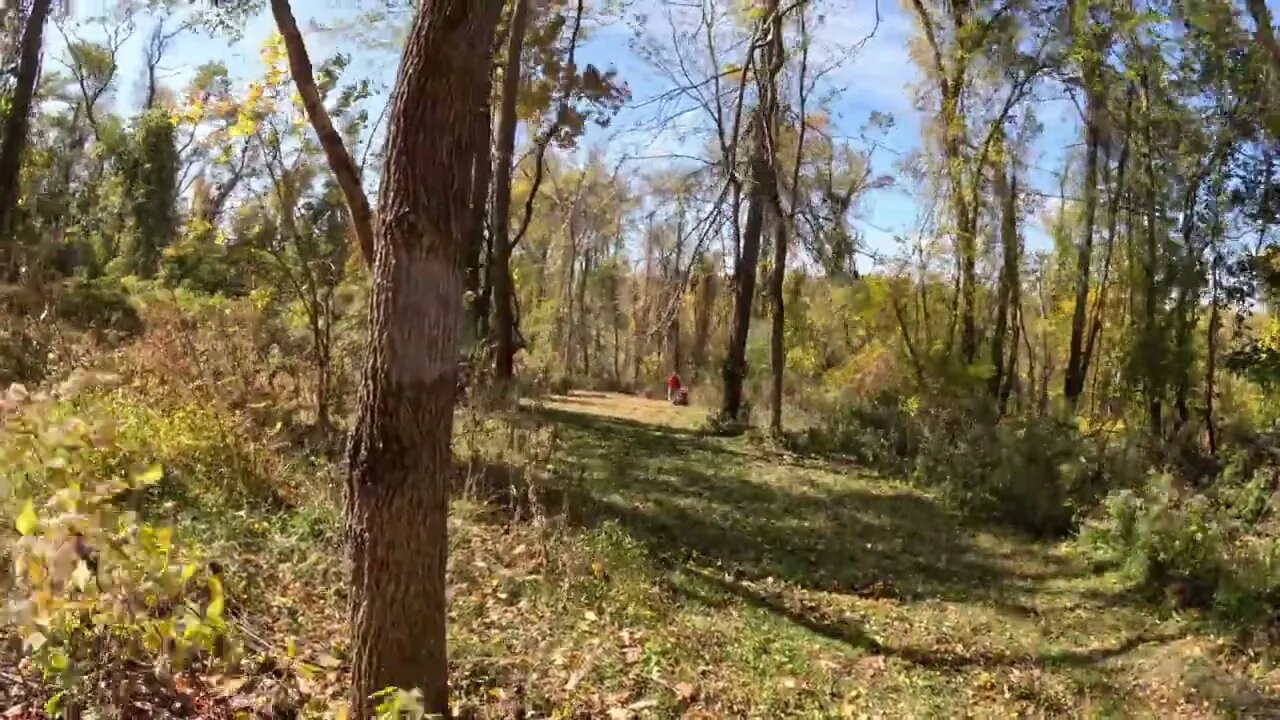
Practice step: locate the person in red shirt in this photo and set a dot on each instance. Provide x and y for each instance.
(673, 386)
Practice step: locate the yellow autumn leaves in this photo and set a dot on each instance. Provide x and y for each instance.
(261, 97)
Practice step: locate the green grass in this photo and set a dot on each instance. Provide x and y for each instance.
(717, 578)
(623, 565)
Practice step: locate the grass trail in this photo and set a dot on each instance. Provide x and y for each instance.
(724, 580)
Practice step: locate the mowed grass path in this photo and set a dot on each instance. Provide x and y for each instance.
(725, 579)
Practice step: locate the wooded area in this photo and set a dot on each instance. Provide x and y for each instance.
(291, 311)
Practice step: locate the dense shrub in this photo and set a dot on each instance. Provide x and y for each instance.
(100, 305)
(1032, 473)
(884, 432)
(1217, 549)
(91, 577)
(23, 356)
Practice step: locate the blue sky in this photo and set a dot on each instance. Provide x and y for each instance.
(878, 78)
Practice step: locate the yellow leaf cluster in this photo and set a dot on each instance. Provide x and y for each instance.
(273, 53)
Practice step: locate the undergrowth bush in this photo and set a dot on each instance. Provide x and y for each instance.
(883, 432)
(91, 577)
(721, 425)
(23, 356)
(1215, 549)
(100, 305)
(1033, 473)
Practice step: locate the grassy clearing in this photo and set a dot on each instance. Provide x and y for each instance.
(648, 571)
(741, 582)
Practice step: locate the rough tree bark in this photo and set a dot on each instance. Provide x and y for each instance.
(399, 456)
(335, 151)
(15, 125)
(504, 338)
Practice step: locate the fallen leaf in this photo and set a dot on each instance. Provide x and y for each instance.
(231, 686)
(575, 678)
(686, 691)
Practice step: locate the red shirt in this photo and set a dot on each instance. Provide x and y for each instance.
(673, 382)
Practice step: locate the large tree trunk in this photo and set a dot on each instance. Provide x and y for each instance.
(1073, 379)
(335, 151)
(504, 321)
(15, 126)
(763, 194)
(399, 456)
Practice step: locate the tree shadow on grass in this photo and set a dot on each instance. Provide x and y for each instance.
(690, 498)
(851, 633)
(725, 521)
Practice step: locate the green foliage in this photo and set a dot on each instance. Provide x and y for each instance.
(1161, 540)
(1027, 472)
(92, 577)
(24, 357)
(397, 704)
(150, 169)
(881, 432)
(101, 305)
(201, 262)
(1216, 550)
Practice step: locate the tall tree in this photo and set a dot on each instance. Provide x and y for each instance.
(967, 36)
(1006, 191)
(15, 125)
(1092, 41)
(399, 457)
(344, 168)
(784, 221)
(763, 180)
(500, 225)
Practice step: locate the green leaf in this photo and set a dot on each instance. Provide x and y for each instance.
(216, 599)
(36, 640)
(150, 476)
(58, 661)
(53, 706)
(27, 520)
